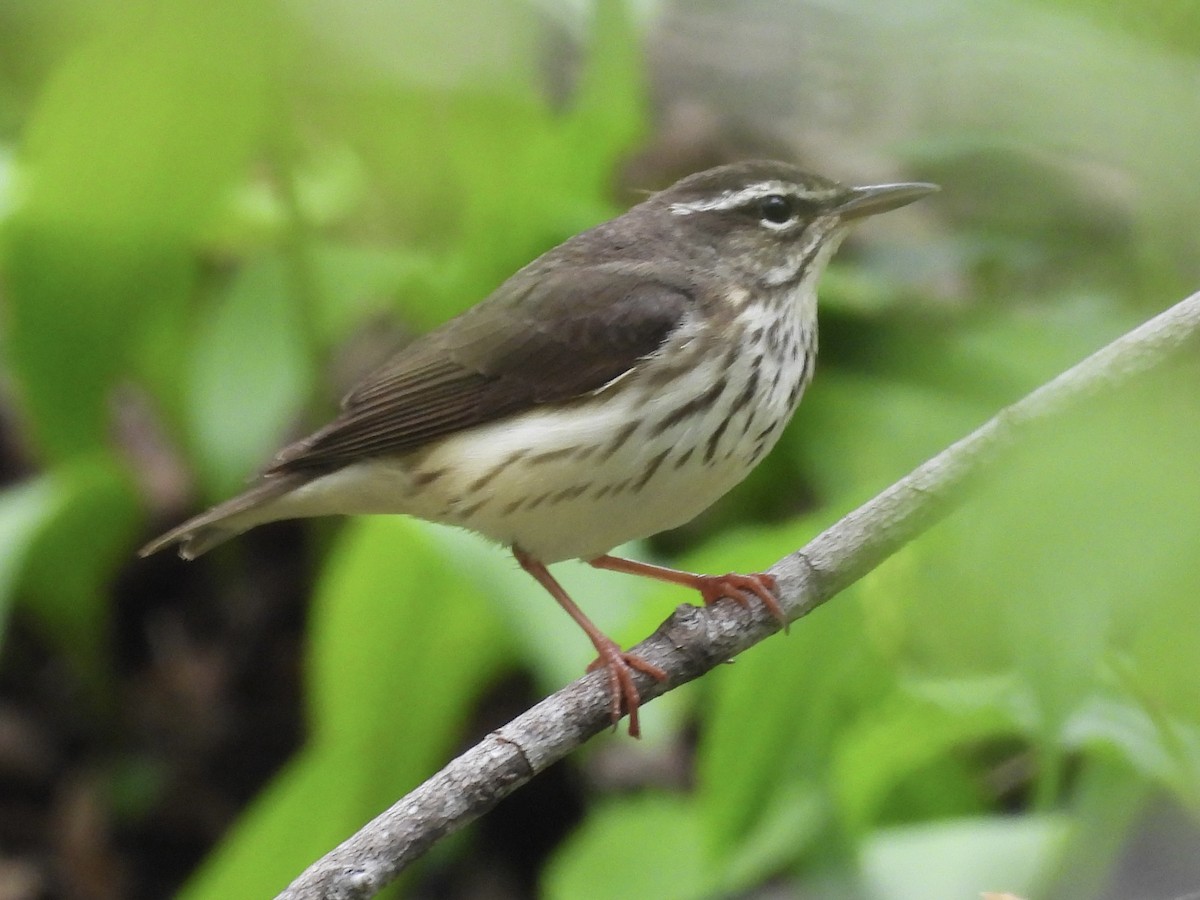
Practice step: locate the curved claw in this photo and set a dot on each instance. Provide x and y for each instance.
(740, 589)
(619, 666)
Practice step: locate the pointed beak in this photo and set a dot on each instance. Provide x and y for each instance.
(861, 202)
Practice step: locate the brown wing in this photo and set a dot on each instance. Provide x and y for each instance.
(542, 337)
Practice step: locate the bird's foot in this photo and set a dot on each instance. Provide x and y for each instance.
(741, 589)
(618, 664)
(623, 693)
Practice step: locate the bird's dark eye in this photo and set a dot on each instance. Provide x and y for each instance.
(776, 208)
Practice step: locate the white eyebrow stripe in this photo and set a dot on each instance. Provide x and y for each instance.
(739, 198)
(730, 199)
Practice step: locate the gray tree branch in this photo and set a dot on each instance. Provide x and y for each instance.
(694, 640)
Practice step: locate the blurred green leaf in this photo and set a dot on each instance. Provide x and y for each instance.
(1163, 23)
(63, 535)
(644, 846)
(1107, 803)
(356, 283)
(329, 185)
(961, 858)
(402, 643)
(852, 415)
(69, 565)
(249, 377)
(609, 111)
(133, 142)
(1042, 567)
(397, 626)
(790, 823)
(8, 182)
(24, 510)
(1162, 750)
(900, 736)
(313, 804)
(771, 715)
(504, 176)
(1114, 474)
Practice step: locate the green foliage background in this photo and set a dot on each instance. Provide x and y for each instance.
(202, 202)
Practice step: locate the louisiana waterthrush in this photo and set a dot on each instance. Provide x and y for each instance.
(611, 389)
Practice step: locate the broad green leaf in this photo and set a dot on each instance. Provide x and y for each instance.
(356, 284)
(1106, 803)
(1160, 749)
(644, 846)
(962, 858)
(68, 568)
(62, 536)
(137, 134)
(312, 805)
(8, 182)
(772, 714)
(788, 826)
(249, 377)
(402, 642)
(24, 510)
(496, 175)
(1083, 542)
(1165, 24)
(900, 736)
(1078, 545)
(847, 419)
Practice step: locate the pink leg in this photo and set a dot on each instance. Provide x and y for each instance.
(712, 588)
(617, 663)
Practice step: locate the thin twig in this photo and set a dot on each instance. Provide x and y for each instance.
(694, 640)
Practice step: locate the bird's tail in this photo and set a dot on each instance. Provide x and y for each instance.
(201, 533)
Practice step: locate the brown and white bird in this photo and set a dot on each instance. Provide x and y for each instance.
(613, 388)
